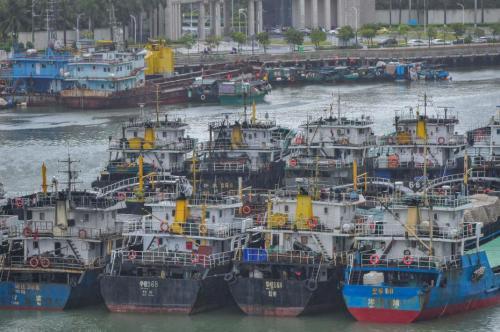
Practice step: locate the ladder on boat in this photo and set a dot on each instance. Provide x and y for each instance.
(323, 250)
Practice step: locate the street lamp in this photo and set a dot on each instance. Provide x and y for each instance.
(242, 11)
(356, 12)
(135, 28)
(78, 29)
(463, 12)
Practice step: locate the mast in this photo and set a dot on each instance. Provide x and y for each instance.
(157, 104)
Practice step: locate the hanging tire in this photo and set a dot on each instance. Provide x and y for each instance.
(203, 97)
(230, 277)
(311, 285)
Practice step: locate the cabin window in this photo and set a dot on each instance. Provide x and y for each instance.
(35, 244)
(286, 208)
(42, 216)
(325, 210)
(162, 156)
(113, 214)
(166, 216)
(57, 248)
(78, 69)
(275, 240)
(173, 213)
(348, 131)
(102, 86)
(32, 65)
(303, 240)
(220, 213)
(498, 131)
(310, 130)
(437, 129)
(213, 219)
(86, 217)
(255, 135)
(44, 65)
(207, 214)
(164, 134)
(435, 216)
(360, 130)
(135, 133)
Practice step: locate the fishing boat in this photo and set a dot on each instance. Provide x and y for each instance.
(58, 242)
(175, 259)
(205, 90)
(420, 139)
(241, 91)
(162, 143)
(412, 264)
(327, 148)
(104, 80)
(248, 150)
(292, 263)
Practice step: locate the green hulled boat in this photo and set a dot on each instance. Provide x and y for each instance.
(238, 92)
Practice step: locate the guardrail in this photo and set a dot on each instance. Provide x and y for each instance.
(48, 263)
(172, 258)
(37, 229)
(280, 256)
(148, 225)
(85, 200)
(373, 229)
(409, 261)
(185, 145)
(321, 164)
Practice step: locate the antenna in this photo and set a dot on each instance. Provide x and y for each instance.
(50, 21)
(71, 174)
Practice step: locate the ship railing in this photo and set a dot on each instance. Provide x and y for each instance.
(453, 177)
(39, 229)
(47, 262)
(481, 161)
(192, 228)
(373, 229)
(325, 195)
(410, 262)
(254, 255)
(177, 258)
(186, 144)
(384, 162)
(216, 146)
(130, 182)
(444, 140)
(238, 167)
(50, 199)
(314, 225)
(434, 200)
(337, 123)
(321, 164)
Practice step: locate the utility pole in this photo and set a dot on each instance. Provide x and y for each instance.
(33, 15)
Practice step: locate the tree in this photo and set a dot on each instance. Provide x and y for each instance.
(495, 29)
(188, 40)
(213, 41)
(431, 34)
(403, 31)
(239, 37)
(13, 18)
(345, 34)
(368, 33)
(263, 39)
(458, 29)
(317, 36)
(294, 37)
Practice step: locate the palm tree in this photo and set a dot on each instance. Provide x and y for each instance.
(14, 17)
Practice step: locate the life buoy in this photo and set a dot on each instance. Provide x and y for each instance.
(82, 234)
(312, 223)
(203, 97)
(132, 255)
(441, 140)
(27, 232)
(246, 209)
(33, 262)
(121, 196)
(408, 260)
(293, 162)
(374, 259)
(19, 202)
(44, 262)
(164, 226)
(203, 229)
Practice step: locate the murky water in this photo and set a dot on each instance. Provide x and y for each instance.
(32, 136)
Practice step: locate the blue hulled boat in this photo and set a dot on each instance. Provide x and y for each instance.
(412, 265)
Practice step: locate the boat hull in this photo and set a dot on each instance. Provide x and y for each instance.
(386, 304)
(284, 298)
(47, 296)
(153, 294)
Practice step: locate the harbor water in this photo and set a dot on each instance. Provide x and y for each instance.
(31, 136)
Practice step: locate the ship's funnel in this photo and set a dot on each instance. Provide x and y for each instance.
(304, 209)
